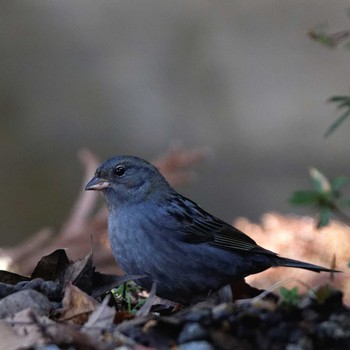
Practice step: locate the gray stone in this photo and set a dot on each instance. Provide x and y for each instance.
(196, 345)
(24, 299)
(192, 331)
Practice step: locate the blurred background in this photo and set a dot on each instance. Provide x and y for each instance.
(133, 77)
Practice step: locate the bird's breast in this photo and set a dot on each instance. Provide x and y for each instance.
(131, 240)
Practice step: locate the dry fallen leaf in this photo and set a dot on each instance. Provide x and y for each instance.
(51, 267)
(30, 327)
(77, 305)
(10, 339)
(81, 273)
(100, 320)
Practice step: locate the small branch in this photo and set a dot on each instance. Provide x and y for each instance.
(85, 202)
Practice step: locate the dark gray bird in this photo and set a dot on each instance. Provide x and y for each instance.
(156, 232)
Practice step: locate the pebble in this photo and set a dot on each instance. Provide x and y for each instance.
(196, 345)
(47, 347)
(24, 299)
(337, 327)
(192, 331)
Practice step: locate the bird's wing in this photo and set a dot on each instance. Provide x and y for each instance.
(198, 226)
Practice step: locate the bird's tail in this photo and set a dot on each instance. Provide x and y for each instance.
(302, 265)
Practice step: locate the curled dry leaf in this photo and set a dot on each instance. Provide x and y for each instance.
(77, 305)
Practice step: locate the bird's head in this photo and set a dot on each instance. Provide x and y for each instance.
(127, 180)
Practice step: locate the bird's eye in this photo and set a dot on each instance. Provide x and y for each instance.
(119, 170)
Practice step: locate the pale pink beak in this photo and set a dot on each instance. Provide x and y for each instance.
(97, 184)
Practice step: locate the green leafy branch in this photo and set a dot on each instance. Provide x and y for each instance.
(330, 40)
(325, 197)
(343, 104)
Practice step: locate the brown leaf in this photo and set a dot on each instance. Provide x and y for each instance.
(77, 305)
(100, 320)
(81, 273)
(38, 330)
(67, 337)
(30, 327)
(51, 267)
(122, 316)
(11, 277)
(10, 339)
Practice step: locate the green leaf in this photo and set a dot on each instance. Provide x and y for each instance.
(304, 198)
(339, 121)
(324, 217)
(344, 104)
(339, 182)
(289, 296)
(319, 181)
(339, 98)
(343, 101)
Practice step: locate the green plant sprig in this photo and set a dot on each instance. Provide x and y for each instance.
(325, 197)
(343, 104)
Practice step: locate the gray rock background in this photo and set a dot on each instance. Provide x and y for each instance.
(240, 77)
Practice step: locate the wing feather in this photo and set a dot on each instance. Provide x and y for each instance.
(198, 226)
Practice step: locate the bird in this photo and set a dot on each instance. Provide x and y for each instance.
(169, 240)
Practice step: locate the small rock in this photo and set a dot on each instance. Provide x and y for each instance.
(223, 311)
(22, 300)
(280, 333)
(337, 327)
(196, 345)
(192, 331)
(303, 343)
(47, 347)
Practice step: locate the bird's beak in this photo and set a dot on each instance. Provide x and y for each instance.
(97, 184)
